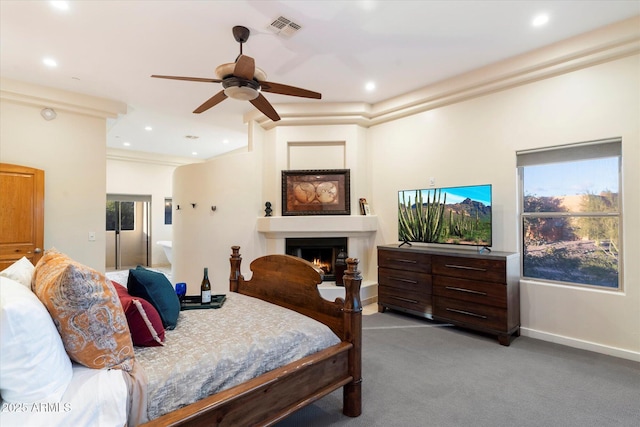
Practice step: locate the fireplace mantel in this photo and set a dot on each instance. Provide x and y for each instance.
(359, 229)
(278, 227)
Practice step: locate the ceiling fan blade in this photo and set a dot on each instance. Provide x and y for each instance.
(245, 67)
(289, 90)
(215, 99)
(190, 79)
(267, 109)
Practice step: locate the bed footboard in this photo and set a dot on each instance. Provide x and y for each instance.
(292, 283)
(269, 398)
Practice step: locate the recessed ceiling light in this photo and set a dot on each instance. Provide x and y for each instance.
(368, 5)
(226, 141)
(370, 86)
(126, 144)
(193, 153)
(60, 5)
(49, 62)
(540, 20)
(148, 128)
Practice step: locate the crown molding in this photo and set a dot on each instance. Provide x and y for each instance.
(150, 158)
(61, 100)
(605, 44)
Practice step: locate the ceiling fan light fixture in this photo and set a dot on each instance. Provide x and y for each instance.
(243, 93)
(242, 89)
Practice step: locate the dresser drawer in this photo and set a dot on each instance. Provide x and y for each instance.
(403, 279)
(410, 300)
(477, 292)
(487, 270)
(401, 260)
(468, 314)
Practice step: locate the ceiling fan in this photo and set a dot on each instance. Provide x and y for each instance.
(244, 81)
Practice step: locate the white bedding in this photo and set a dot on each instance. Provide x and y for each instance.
(93, 398)
(210, 350)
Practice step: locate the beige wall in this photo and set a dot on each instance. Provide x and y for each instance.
(203, 237)
(71, 151)
(472, 140)
(461, 137)
(79, 170)
(148, 177)
(475, 142)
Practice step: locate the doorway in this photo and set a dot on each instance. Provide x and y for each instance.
(22, 215)
(128, 231)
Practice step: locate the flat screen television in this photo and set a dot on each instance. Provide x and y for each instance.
(452, 215)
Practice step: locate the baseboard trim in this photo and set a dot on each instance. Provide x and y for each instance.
(370, 300)
(581, 344)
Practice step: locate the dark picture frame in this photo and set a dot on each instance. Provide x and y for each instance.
(316, 192)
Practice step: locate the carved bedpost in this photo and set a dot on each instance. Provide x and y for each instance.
(235, 274)
(352, 392)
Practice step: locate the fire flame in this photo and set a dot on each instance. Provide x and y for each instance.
(325, 266)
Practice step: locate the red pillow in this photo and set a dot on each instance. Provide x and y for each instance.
(144, 321)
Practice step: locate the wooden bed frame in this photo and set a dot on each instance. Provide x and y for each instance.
(290, 282)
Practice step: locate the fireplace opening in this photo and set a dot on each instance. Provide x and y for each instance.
(321, 251)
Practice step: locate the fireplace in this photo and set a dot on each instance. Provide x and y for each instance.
(321, 251)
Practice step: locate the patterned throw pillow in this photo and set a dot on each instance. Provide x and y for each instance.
(86, 310)
(144, 321)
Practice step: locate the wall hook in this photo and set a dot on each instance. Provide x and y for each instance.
(193, 205)
(177, 207)
(213, 208)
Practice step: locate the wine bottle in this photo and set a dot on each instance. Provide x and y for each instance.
(205, 288)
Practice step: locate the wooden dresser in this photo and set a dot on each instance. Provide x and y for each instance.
(474, 290)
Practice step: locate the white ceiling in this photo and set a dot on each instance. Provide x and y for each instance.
(110, 48)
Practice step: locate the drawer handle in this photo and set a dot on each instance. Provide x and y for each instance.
(412, 301)
(469, 291)
(402, 279)
(406, 261)
(464, 267)
(468, 313)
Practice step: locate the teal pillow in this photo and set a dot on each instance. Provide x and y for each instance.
(155, 288)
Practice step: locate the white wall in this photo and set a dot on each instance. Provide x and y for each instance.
(203, 237)
(320, 147)
(475, 142)
(149, 179)
(71, 151)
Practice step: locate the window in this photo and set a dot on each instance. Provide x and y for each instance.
(168, 215)
(125, 211)
(570, 213)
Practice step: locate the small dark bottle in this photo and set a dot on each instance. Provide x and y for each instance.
(205, 288)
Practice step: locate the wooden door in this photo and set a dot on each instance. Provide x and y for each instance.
(21, 214)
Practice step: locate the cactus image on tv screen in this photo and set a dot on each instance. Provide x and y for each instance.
(453, 215)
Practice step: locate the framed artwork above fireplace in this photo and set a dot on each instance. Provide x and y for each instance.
(316, 192)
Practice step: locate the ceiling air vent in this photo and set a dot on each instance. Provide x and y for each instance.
(284, 27)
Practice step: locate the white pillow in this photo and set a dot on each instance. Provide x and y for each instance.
(21, 271)
(34, 366)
